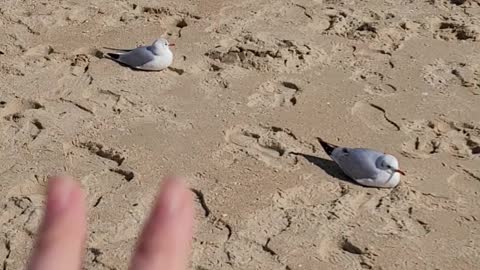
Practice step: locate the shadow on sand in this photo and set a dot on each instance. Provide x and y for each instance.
(329, 166)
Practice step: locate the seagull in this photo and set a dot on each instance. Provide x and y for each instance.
(154, 57)
(365, 166)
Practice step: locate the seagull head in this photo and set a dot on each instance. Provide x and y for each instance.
(389, 163)
(162, 44)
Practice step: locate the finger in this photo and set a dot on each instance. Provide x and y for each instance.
(166, 238)
(62, 233)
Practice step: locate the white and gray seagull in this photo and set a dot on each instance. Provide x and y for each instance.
(367, 167)
(155, 57)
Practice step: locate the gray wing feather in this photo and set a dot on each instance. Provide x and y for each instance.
(358, 163)
(137, 57)
(118, 49)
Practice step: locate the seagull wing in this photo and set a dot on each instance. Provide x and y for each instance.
(137, 57)
(358, 163)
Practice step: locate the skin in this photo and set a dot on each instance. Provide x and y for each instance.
(164, 243)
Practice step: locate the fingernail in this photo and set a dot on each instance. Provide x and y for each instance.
(171, 196)
(58, 195)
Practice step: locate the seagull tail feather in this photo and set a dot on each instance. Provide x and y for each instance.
(114, 56)
(327, 146)
(117, 49)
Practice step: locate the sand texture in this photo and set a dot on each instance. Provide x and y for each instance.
(252, 81)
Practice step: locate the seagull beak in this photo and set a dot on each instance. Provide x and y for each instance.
(171, 45)
(400, 172)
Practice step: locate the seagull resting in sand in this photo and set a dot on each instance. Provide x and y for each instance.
(154, 57)
(367, 167)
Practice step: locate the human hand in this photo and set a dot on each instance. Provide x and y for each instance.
(163, 244)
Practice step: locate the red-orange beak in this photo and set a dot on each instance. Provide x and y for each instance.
(400, 172)
(171, 45)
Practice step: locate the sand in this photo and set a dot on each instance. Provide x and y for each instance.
(251, 82)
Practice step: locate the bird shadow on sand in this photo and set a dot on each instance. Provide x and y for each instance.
(329, 166)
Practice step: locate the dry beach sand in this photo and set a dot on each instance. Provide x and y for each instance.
(251, 82)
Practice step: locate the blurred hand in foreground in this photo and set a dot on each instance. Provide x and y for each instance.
(164, 243)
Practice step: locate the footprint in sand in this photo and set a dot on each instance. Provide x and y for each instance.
(271, 145)
(452, 30)
(17, 107)
(374, 27)
(442, 136)
(375, 83)
(352, 254)
(374, 117)
(24, 128)
(39, 50)
(251, 52)
(441, 75)
(22, 214)
(274, 94)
